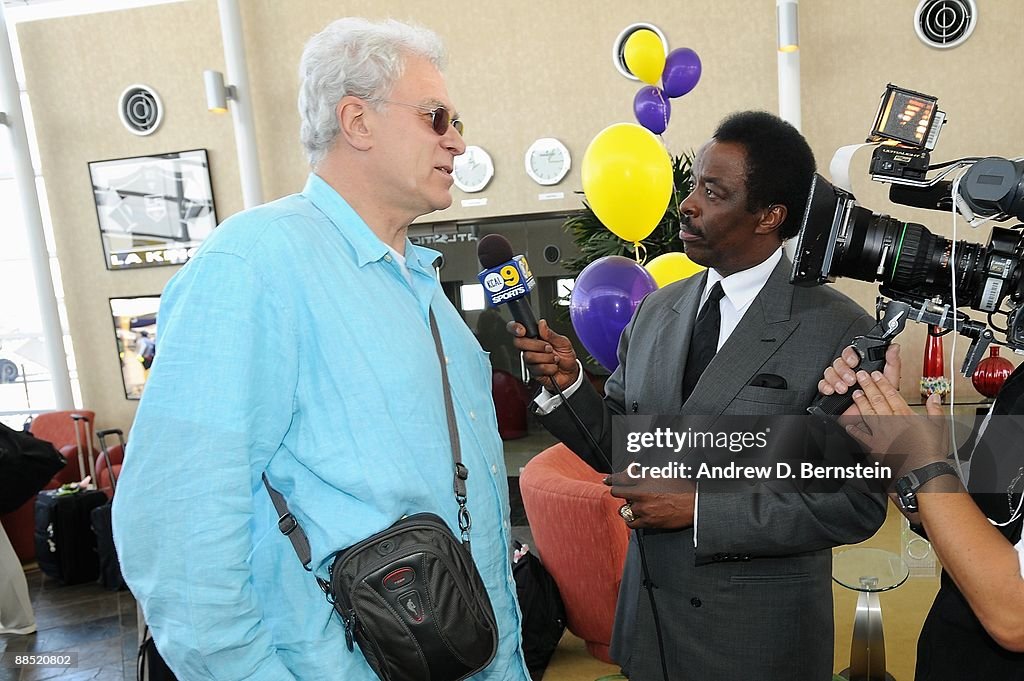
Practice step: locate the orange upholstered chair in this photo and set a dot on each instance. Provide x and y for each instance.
(580, 538)
(58, 428)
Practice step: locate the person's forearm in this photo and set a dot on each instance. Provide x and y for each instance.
(984, 565)
(596, 414)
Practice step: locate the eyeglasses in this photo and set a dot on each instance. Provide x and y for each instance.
(440, 118)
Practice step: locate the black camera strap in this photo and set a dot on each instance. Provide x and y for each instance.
(289, 525)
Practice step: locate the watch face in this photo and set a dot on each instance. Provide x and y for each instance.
(547, 161)
(473, 169)
(905, 493)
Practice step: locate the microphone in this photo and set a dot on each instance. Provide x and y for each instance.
(507, 280)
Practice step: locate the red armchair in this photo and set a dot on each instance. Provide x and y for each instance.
(510, 402)
(577, 530)
(58, 428)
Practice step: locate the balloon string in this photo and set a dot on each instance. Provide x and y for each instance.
(675, 195)
(639, 252)
(675, 188)
(664, 107)
(675, 192)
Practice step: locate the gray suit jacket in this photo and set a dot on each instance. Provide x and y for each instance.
(754, 597)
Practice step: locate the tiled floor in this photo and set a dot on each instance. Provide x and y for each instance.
(99, 625)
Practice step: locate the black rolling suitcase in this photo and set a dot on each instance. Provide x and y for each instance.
(65, 542)
(110, 567)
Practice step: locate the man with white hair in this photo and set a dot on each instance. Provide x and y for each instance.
(331, 386)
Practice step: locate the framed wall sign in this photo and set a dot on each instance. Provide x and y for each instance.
(153, 210)
(135, 333)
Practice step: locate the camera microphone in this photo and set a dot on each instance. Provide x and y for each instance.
(507, 280)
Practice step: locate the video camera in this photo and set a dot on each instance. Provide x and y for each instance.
(925, 277)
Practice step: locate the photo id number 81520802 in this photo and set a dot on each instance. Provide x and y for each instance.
(13, 659)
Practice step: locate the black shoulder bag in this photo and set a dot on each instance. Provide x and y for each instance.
(410, 595)
(26, 466)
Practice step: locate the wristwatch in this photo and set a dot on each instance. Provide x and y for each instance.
(907, 486)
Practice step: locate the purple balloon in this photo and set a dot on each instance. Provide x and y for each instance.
(652, 109)
(681, 72)
(603, 299)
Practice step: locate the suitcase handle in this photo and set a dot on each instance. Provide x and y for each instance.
(102, 435)
(110, 469)
(83, 437)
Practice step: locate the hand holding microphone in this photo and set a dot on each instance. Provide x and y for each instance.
(550, 356)
(507, 280)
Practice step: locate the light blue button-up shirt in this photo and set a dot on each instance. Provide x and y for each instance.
(292, 343)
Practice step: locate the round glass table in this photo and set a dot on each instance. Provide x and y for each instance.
(868, 571)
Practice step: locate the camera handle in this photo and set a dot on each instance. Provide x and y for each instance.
(871, 347)
(946, 317)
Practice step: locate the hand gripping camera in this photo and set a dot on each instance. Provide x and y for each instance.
(922, 276)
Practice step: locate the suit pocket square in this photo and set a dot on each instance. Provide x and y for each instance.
(772, 381)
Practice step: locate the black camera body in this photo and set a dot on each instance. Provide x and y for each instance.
(929, 275)
(900, 162)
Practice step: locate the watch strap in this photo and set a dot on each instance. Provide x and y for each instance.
(907, 485)
(920, 476)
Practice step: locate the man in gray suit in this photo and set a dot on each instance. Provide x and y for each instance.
(741, 581)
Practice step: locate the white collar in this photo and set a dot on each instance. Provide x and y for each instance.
(743, 286)
(401, 262)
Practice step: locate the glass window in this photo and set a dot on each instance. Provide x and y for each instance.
(24, 375)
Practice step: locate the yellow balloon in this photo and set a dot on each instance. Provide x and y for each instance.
(670, 267)
(644, 54)
(627, 179)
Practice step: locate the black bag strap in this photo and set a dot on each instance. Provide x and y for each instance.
(140, 660)
(460, 470)
(150, 665)
(289, 525)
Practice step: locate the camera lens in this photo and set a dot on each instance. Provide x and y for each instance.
(921, 264)
(871, 239)
(838, 238)
(905, 256)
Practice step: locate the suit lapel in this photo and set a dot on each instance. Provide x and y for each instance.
(761, 332)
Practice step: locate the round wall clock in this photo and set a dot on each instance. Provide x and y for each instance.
(473, 169)
(547, 161)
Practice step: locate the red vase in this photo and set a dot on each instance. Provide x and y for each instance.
(933, 372)
(992, 371)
